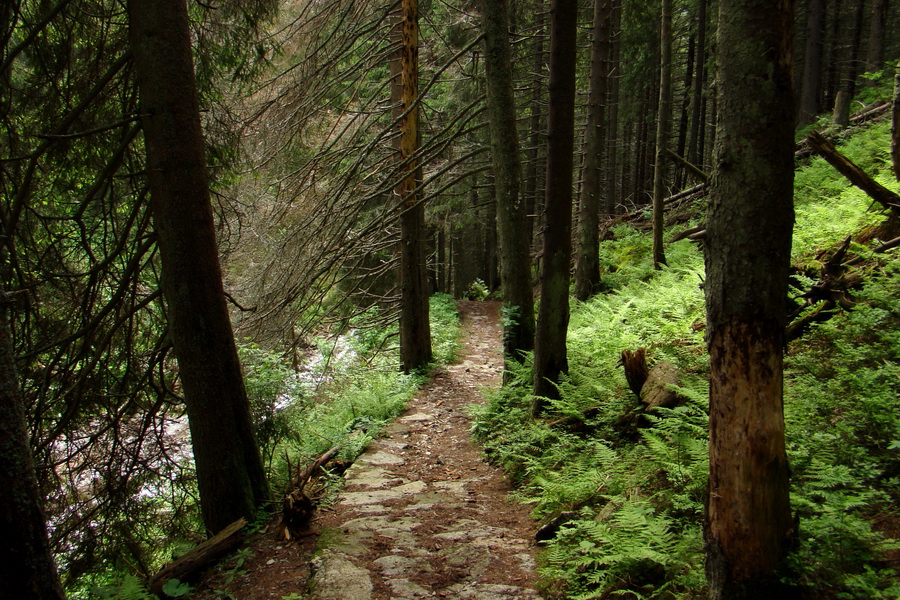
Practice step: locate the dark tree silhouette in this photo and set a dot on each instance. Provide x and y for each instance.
(230, 473)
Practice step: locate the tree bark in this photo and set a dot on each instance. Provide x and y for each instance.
(230, 473)
(664, 118)
(27, 570)
(415, 329)
(550, 359)
(587, 260)
(515, 240)
(748, 521)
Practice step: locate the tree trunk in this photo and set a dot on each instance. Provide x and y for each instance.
(515, 241)
(848, 85)
(230, 473)
(895, 125)
(491, 260)
(812, 62)
(532, 188)
(748, 520)
(415, 329)
(587, 260)
(664, 117)
(695, 143)
(681, 142)
(612, 130)
(27, 570)
(550, 358)
(875, 50)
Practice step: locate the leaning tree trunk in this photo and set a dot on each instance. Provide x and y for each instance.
(550, 359)
(748, 521)
(587, 259)
(27, 571)
(230, 473)
(664, 117)
(515, 239)
(415, 329)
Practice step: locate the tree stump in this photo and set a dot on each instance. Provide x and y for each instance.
(635, 364)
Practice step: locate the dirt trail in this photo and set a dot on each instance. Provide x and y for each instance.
(422, 515)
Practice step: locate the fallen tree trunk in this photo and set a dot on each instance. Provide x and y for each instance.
(201, 556)
(658, 391)
(688, 233)
(857, 176)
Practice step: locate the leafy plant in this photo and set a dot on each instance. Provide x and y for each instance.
(478, 290)
(175, 588)
(129, 588)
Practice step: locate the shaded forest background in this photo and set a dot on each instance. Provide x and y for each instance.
(299, 103)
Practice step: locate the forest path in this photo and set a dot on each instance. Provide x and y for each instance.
(422, 515)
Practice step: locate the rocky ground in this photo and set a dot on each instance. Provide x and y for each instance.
(422, 515)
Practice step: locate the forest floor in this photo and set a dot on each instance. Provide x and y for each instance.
(422, 515)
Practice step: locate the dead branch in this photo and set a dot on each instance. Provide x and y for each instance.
(852, 172)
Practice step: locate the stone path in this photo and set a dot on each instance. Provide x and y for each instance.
(422, 515)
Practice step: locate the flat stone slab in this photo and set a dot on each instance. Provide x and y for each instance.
(337, 578)
(368, 497)
(491, 592)
(380, 458)
(416, 418)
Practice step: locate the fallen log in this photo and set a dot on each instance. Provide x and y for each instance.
(659, 389)
(852, 172)
(200, 557)
(688, 233)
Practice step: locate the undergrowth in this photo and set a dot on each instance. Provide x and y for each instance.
(623, 492)
(363, 392)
